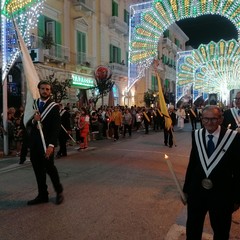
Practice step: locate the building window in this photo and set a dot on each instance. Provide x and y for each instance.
(81, 47)
(49, 26)
(114, 9)
(177, 42)
(127, 58)
(154, 83)
(126, 16)
(115, 54)
(166, 34)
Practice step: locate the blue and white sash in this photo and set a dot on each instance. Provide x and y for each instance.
(47, 110)
(236, 117)
(209, 164)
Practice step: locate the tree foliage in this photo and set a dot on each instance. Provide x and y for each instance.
(148, 97)
(104, 87)
(59, 88)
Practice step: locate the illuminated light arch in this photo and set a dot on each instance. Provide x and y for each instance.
(25, 14)
(149, 20)
(212, 68)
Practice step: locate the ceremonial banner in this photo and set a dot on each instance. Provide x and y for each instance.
(31, 78)
(163, 106)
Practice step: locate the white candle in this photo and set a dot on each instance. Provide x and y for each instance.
(176, 180)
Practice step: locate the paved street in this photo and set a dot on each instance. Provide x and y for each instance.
(114, 190)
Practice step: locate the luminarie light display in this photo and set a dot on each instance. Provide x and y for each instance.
(25, 14)
(212, 68)
(149, 21)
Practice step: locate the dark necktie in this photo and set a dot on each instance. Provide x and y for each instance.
(238, 112)
(40, 107)
(210, 145)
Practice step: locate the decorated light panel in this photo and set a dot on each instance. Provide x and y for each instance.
(214, 68)
(149, 21)
(25, 14)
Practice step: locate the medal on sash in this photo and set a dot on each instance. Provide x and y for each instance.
(207, 183)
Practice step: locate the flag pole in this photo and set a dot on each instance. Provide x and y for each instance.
(162, 103)
(65, 130)
(40, 128)
(5, 118)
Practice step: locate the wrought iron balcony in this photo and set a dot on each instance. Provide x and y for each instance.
(84, 5)
(118, 69)
(174, 47)
(119, 25)
(55, 53)
(166, 42)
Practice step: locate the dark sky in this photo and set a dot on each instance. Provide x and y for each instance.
(207, 28)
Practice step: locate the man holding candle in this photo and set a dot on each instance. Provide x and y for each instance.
(212, 179)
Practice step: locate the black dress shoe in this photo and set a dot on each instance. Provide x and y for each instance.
(38, 200)
(59, 198)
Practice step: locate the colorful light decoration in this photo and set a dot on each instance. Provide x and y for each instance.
(149, 21)
(25, 14)
(212, 68)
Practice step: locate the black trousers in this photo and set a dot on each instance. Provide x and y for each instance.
(63, 137)
(168, 137)
(146, 125)
(220, 214)
(116, 130)
(42, 167)
(24, 148)
(129, 128)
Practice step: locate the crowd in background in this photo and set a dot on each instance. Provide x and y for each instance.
(107, 122)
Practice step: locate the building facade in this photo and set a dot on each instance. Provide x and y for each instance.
(73, 37)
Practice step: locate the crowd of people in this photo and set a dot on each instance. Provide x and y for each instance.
(83, 124)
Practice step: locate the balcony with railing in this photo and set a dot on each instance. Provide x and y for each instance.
(174, 47)
(54, 53)
(119, 25)
(166, 42)
(84, 5)
(118, 69)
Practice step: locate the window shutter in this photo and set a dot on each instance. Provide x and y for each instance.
(41, 26)
(119, 55)
(111, 53)
(58, 33)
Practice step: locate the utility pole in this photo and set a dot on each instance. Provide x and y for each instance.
(5, 117)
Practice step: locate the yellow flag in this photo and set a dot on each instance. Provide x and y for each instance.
(163, 106)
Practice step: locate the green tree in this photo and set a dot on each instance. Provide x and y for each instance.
(59, 88)
(148, 97)
(103, 87)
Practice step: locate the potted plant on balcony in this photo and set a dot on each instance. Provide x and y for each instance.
(47, 40)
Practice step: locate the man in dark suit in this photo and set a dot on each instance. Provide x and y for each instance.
(43, 159)
(168, 133)
(212, 179)
(146, 119)
(64, 131)
(232, 116)
(193, 116)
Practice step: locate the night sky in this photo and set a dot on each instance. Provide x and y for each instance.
(207, 28)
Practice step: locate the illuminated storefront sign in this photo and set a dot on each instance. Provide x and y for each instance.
(81, 81)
